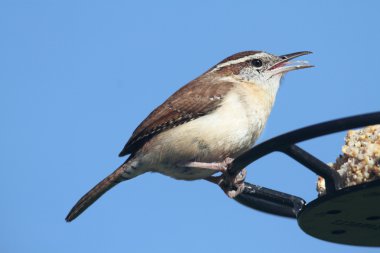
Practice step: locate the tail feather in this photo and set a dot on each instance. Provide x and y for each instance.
(96, 192)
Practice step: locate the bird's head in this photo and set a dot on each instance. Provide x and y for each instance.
(259, 67)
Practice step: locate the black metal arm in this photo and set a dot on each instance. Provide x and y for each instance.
(270, 201)
(283, 204)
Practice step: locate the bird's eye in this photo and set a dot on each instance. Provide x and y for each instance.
(257, 63)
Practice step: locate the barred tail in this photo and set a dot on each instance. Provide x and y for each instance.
(96, 192)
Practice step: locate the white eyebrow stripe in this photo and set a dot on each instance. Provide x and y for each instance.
(240, 60)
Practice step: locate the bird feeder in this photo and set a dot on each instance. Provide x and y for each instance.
(347, 215)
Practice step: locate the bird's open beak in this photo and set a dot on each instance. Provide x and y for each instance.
(285, 65)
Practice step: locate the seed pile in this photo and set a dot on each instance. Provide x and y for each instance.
(360, 161)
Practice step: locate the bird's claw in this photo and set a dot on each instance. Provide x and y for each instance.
(233, 185)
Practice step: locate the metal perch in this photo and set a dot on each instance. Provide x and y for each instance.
(348, 215)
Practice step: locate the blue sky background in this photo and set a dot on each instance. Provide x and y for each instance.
(77, 77)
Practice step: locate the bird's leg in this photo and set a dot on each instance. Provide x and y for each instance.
(218, 167)
(231, 185)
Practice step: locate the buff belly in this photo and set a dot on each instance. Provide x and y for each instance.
(227, 132)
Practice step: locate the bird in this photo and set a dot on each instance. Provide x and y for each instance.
(200, 129)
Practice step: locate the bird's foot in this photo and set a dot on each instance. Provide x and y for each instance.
(231, 185)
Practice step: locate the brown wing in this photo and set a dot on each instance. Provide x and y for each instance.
(195, 99)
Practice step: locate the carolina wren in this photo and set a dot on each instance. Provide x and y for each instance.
(203, 126)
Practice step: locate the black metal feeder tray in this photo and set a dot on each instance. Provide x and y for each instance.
(349, 215)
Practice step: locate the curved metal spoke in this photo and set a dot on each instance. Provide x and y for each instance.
(284, 204)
